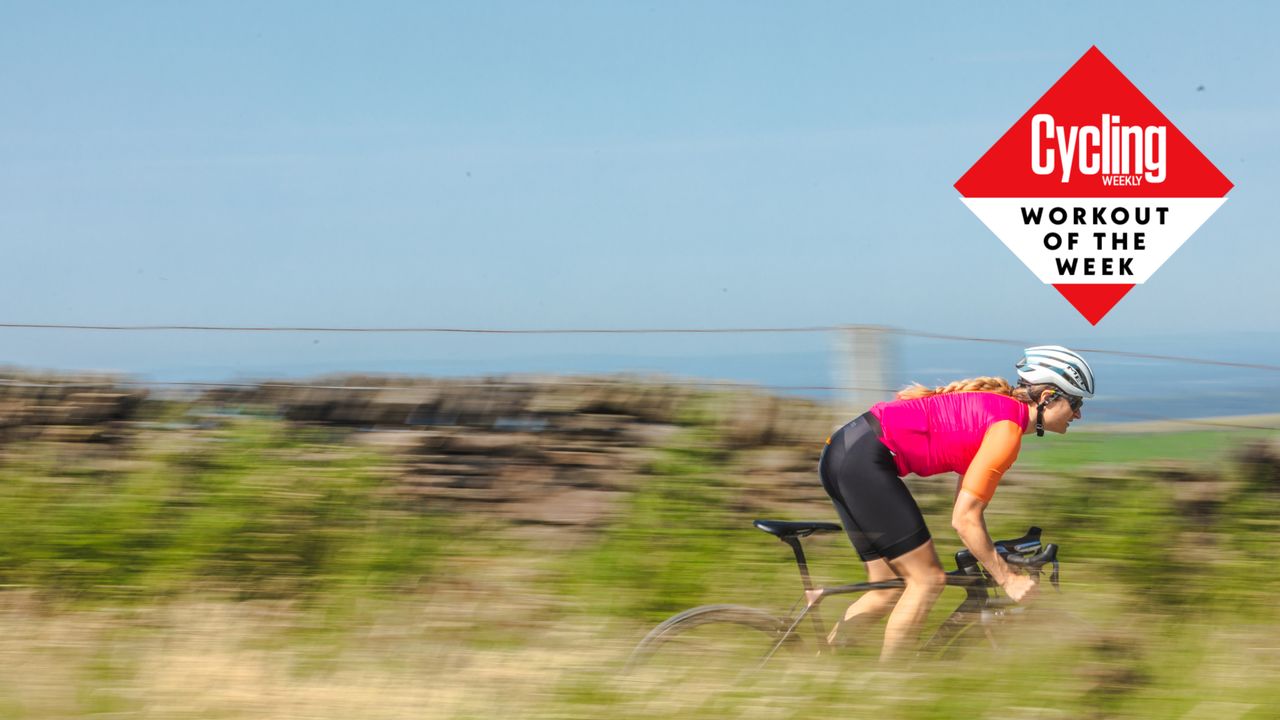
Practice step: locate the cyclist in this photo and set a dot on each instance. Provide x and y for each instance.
(973, 427)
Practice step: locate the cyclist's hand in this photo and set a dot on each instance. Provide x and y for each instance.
(1019, 587)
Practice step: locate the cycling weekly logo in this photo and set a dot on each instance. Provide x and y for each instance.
(1093, 188)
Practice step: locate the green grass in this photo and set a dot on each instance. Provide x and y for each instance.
(254, 510)
(1169, 551)
(1064, 454)
(677, 544)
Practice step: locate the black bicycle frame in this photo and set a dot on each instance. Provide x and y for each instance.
(977, 597)
(968, 575)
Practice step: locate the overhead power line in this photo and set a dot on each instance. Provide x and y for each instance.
(453, 330)
(617, 331)
(1096, 351)
(703, 384)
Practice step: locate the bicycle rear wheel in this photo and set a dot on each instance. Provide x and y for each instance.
(712, 640)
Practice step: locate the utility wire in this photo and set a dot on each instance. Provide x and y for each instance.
(626, 331)
(705, 384)
(617, 331)
(1097, 351)
(450, 330)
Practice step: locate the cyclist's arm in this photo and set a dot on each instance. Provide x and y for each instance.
(969, 523)
(999, 449)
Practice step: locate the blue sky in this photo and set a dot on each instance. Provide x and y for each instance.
(570, 164)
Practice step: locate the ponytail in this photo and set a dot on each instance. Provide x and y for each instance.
(1000, 386)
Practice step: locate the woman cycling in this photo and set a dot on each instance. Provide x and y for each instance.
(972, 427)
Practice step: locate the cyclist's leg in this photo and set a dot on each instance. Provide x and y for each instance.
(859, 475)
(873, 604)
(925, 580)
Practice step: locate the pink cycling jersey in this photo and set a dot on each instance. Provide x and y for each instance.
(942, 433)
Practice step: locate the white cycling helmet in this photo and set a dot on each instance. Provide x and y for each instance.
(1057, 366)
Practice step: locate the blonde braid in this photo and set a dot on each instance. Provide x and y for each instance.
(996, 385)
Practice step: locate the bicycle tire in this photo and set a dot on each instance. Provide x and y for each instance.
(954, 643)
(759, 630)
(1009, 631)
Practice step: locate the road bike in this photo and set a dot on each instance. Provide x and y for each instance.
(749, 632)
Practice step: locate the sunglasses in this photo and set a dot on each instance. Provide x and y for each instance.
(1075, 402)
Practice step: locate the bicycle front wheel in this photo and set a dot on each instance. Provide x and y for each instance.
(711, 640)
(956, 638)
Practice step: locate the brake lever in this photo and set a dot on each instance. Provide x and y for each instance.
(1049, 556)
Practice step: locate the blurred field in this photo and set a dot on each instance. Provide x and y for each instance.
(257, 567)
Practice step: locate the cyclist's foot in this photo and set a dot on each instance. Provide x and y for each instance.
(852, 633)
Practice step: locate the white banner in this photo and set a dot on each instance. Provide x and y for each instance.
(1084, 241)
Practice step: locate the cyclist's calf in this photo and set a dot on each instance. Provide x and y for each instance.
(875, 604)
(925, 580)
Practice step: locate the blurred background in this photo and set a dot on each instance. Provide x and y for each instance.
(413, 360)
(403, 545)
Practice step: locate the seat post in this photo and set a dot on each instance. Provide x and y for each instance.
(819, 631)
(794, 542)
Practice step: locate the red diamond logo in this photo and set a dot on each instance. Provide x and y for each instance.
(1093, 188)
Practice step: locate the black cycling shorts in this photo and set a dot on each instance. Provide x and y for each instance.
(877, 510)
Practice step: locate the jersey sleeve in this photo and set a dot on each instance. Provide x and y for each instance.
(999, 448)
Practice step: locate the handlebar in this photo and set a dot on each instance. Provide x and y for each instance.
(1047, 555)
(1034, 562)
(1014, 553)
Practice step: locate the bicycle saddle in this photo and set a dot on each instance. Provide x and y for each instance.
(785, 528)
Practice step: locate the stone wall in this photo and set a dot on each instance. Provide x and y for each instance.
(555, 450)
(560, 450)
(73, 407)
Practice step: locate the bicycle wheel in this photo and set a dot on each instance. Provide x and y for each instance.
(958, 636)
(711, 640)
(1006, 629)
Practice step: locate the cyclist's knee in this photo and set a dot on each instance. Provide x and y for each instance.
(938, 579)
(932, 581)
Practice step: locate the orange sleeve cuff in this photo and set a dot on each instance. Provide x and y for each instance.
(1000, 446)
